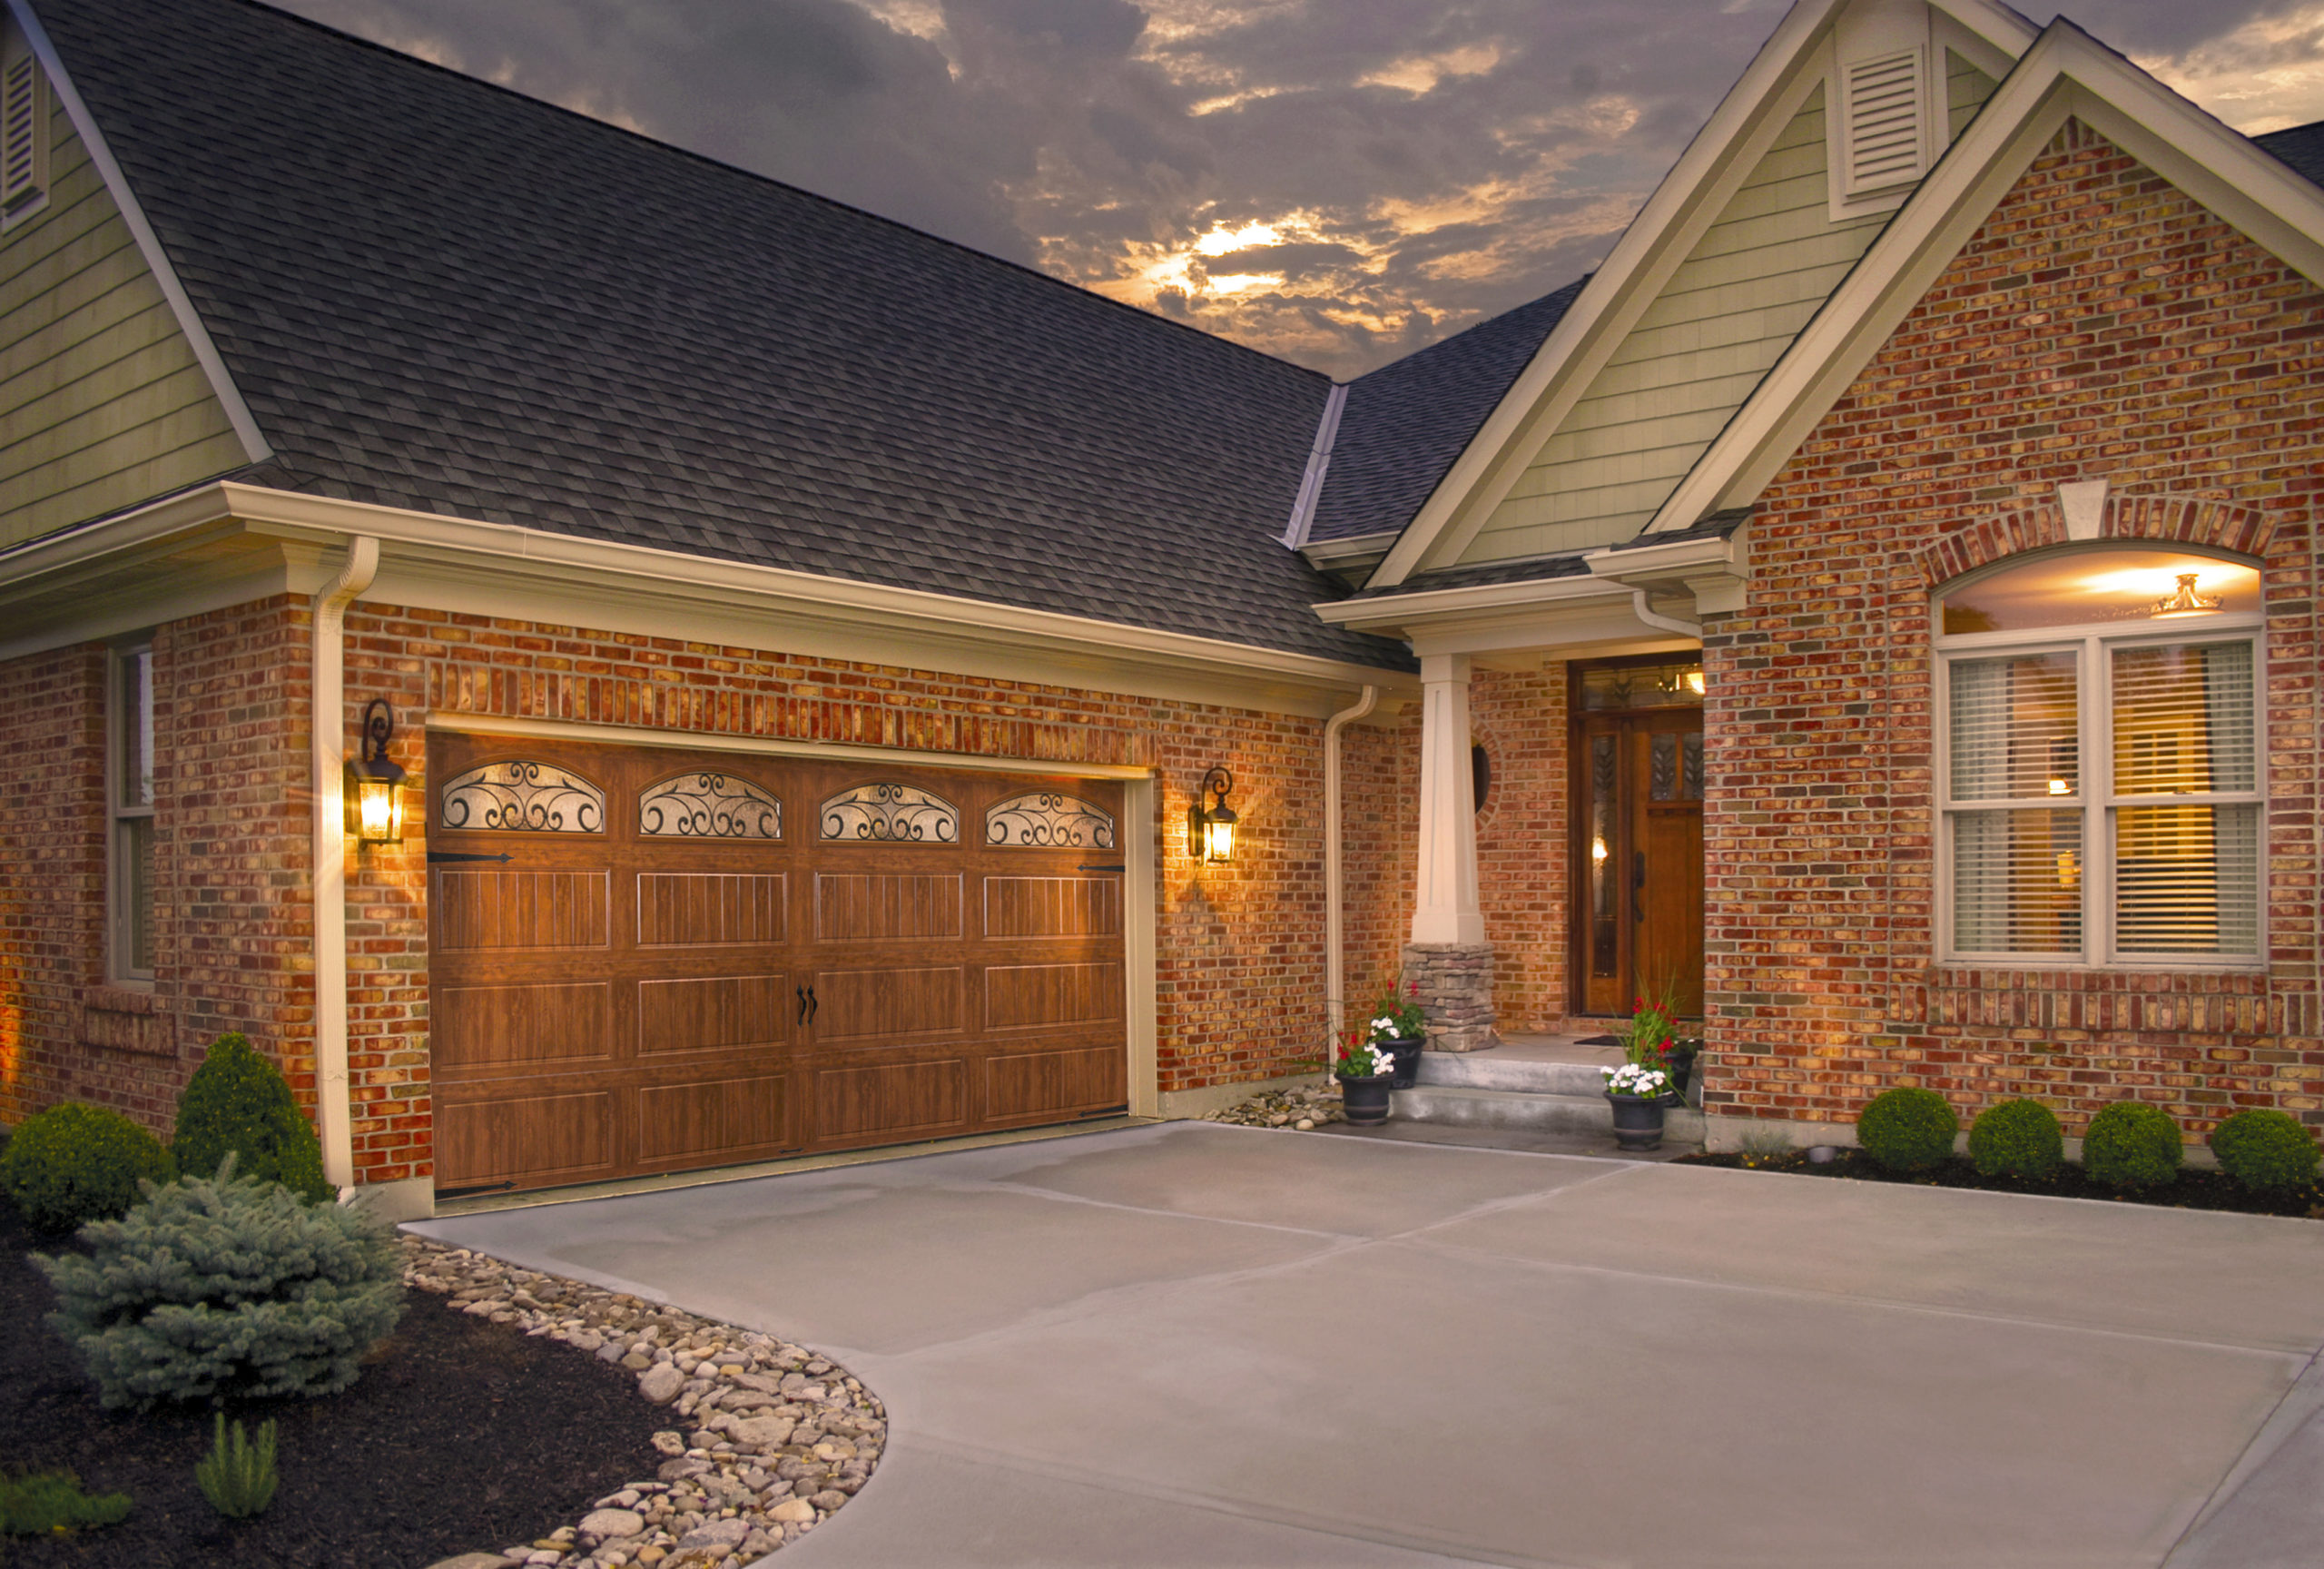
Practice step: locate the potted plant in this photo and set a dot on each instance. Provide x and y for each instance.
(1365, 1073)
(1400, 1028)
(1651, 1041)
(1638, 1094)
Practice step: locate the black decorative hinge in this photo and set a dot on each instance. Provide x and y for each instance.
(436, 856)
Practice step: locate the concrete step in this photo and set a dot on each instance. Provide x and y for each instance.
(1461, 1105)
(1502, 1071)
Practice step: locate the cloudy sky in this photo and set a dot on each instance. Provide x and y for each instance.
(1338, 182)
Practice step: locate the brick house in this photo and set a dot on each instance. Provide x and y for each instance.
(1877, 606)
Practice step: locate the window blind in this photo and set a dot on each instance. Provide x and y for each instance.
(2017, 882)
(2186, 876)
(2016, 727)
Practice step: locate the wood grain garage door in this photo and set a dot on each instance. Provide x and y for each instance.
(646, 959)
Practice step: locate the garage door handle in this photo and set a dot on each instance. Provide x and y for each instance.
(1638, 885)
(813, 1007)
(801, 991)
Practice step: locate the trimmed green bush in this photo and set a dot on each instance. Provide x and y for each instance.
(226, 1289)
(2016, 1139)
(2132, 1144)
(46, 1502)
(2262, 1149)
(1907, 1130)
(238, 1102)
(74, 1163)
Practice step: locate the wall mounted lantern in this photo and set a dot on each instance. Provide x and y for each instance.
(1210, 834)
(374, 783)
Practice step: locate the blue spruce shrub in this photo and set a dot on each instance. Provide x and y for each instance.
(226, 1287)
(74, 1163)
(2132, 1144)
(1907, 1129)
(237, 1102)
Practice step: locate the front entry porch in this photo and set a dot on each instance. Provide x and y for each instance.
(1539, 1093)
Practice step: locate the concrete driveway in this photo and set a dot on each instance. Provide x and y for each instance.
(1190, 1344)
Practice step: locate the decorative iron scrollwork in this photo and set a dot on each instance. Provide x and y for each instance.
(708, 806)
(897, 814)
(524, 796)
(1044, 819)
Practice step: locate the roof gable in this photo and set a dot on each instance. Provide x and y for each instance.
(439, 295)
(1644, 425)
(2066, 76)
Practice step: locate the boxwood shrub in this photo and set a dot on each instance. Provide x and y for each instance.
(74, 1163)
(1907, 1130)
(237, 1102)
(2132, 1144)
(2264, 1150)
(2016, 1139)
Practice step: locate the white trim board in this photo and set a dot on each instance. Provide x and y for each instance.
(149, 244)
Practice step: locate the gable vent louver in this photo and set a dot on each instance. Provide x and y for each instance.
(23, 173)
(1886, 103)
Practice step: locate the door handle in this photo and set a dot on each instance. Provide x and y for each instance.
(813, 1007)
(802, 991)
(1638, 885)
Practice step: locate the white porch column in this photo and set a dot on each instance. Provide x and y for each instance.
(1446, 910)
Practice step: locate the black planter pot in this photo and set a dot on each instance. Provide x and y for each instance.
(1681, 1068)
(1637, 1123)
(1365, 1101)
(1406, 1056)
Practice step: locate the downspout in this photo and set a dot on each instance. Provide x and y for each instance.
(329, 721)
(1335, 924)
(1666, 623)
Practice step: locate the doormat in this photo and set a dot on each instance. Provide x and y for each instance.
(1598, 1040)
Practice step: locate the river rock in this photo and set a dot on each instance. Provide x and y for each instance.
(604, 1523)
(661, 1382)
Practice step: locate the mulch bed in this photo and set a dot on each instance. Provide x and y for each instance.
(2192, 1189)
(462, 1435)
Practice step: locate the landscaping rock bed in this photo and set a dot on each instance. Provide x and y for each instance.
(1303, 1108)
(2192, 1188)
(775, 1438)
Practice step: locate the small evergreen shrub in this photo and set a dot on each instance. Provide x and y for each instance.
(74, 1163)
(225, 1288)
(238, 1102)
(1907, 1130)
(237, 1476)
(2132, 1144)
(46, 1502)
(2016, 1139)
(2262, 1149)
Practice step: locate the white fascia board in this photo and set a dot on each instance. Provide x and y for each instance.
(149, 244)
(492, 567)
(1660, 563)
(1686, 203)
(1390, 613)
(2067, 75)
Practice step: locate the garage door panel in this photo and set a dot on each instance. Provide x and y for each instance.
(498, 911)
(1028, 1085)
(1017, 907)
(708, 1012)
(887, 907)
(893, 1100)
(859, 1005)
(532, 1140)
(711, 909)
(482, 1031)
(722, 1118)
(1051, 996)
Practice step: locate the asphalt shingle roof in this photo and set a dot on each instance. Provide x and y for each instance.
(1406, 423)
(2301, 146)
(438, 294)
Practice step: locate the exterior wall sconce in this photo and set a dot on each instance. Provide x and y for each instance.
(1210, 834)
(374, 783)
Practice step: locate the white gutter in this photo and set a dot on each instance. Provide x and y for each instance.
(1667, 623)
(328, 724)
(1334, 921)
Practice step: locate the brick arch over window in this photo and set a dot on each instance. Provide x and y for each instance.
(2174, 519)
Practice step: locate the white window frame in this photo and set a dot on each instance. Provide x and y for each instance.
(2094, 796)
(119, 887)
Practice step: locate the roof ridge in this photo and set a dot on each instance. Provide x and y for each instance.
(279, 14)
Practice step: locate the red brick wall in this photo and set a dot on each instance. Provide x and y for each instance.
(2101, 325)
(232, 916)
(1379, 815)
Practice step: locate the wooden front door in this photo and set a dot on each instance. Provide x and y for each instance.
(1639, 806)
(647, 959)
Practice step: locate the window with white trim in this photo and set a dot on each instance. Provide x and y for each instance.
(129, 792)
(24, 131)
(2099, 788)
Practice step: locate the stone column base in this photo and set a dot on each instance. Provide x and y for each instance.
(1456, 983)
